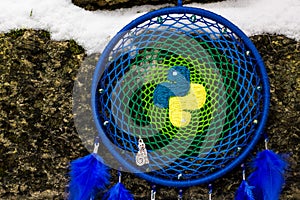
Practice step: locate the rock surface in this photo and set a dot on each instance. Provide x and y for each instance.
(115, 4)
(38, 138)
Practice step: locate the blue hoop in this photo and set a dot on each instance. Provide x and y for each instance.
(260, 67)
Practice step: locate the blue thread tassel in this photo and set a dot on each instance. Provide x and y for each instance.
(244, 191)
(118, 192)
(88, 175)
(268, 175)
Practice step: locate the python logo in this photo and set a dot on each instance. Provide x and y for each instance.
(179, 95)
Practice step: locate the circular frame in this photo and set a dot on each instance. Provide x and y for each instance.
(261, 69)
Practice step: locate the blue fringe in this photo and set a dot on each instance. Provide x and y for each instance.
(88, 174)
(268, 176)
(244, 192)
(118, 192)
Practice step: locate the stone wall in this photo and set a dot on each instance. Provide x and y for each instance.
(115, 4)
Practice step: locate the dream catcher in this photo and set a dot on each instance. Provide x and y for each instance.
(180, 96)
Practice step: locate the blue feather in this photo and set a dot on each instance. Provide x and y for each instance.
(268, 175)
(118, 192)
(244, 192)
(88, 174)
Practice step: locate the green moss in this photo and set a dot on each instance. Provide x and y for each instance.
(37, 76)
(45, 34)
(75, 48)
(14, 34)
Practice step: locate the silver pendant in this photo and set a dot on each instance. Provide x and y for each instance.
(141, 157)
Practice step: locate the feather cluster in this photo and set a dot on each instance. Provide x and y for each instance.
(268, 175)
(118, 192)
(88, 175)
(244, 192)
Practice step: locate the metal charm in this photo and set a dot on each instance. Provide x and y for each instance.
(141, 156)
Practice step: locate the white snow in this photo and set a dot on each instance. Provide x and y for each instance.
(94, 29)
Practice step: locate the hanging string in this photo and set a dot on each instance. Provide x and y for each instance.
(120, 176)
(209, 191)
(153, 191)
(96, 145)
(243, 171)
(180, 191)
(266, 141)
(179, 3)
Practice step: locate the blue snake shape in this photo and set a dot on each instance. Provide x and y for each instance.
(178, 85)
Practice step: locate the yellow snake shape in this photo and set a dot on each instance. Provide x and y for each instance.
(180, 107)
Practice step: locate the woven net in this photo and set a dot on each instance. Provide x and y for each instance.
(185, 84)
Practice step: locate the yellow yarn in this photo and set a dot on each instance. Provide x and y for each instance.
(180, 107)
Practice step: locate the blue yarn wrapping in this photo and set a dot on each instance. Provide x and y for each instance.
(88, 175)
(268, 175)
(244, 192)
(118, 192)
